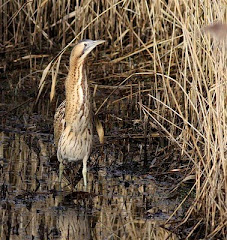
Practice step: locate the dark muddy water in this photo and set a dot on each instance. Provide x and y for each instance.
(121, 202)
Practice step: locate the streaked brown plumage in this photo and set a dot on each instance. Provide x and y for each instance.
(73, 127)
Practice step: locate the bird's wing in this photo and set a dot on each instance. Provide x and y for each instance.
(59, 122)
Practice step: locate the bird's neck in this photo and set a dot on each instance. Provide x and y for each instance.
(77, 93)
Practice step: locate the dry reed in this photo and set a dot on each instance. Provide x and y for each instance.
(169, 66)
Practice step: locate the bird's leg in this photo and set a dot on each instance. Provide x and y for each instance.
(61, 169)
(84, 171)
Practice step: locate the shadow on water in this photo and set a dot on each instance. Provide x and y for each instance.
(119, 204)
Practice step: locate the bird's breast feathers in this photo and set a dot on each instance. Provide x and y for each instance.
(75, 141)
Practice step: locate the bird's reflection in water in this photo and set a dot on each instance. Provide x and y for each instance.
(74, 225)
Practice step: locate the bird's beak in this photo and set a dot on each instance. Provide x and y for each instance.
(92, 45)
(97, 42)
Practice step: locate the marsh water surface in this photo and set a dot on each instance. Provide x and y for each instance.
(121, 202)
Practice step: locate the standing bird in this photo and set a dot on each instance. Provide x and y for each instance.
(73, 121)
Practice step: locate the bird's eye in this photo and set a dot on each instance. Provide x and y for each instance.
(85, 44)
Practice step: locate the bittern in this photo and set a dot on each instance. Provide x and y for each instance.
(73, 121)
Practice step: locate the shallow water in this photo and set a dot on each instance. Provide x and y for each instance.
(120, 203)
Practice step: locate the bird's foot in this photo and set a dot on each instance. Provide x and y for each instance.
(84, 172)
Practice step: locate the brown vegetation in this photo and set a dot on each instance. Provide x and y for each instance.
(164, 58)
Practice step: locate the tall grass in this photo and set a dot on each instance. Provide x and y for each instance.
(186, 90)
(195, 100)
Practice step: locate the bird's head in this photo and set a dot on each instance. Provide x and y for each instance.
(82, 49)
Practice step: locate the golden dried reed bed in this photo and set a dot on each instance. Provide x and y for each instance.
(178, 65)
